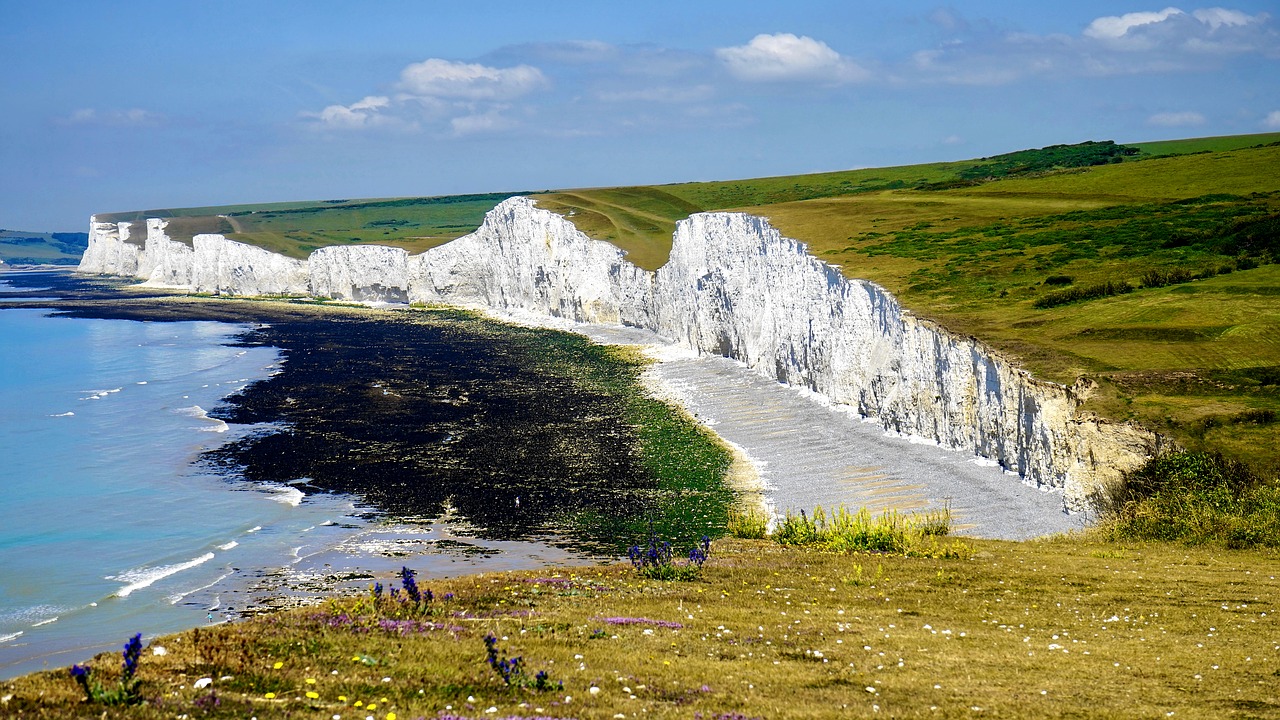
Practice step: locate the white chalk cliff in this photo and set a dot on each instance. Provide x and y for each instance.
(733, 286)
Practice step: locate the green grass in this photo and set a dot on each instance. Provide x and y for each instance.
(1057, 628)
(1206, 144)
(298, 229)
(36, 248)
(1194, 498)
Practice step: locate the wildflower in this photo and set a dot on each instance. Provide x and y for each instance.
(278, 665)
(409, 579)
(313, 694)
(132, 652)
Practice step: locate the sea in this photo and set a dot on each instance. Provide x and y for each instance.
(110, 524)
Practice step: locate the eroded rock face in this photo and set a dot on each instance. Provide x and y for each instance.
(109, 251)
(733, 286)
(226, 267)
(530, 260)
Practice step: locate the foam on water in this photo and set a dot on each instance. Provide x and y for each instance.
(139, 578)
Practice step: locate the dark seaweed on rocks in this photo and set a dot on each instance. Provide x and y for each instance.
(417, 411)
(411, 414)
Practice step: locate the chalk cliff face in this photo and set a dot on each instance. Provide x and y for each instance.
(531, 260)
(733, 286)
(226, 267)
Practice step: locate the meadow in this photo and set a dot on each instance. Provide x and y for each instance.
(1062, 627)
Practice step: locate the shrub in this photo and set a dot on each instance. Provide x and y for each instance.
(748, 525)
(1193, 497)
(1059, 280)
(891, 532)
(1077, 294)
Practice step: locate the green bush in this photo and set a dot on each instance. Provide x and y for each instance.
(748, 524)
(892, 532)
(1193, 497)
(1088, 292)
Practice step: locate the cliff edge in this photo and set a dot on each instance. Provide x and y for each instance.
(734, 286)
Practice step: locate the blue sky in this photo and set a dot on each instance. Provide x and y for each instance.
(132, 105)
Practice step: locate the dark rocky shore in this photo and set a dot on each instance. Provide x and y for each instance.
(520, 432)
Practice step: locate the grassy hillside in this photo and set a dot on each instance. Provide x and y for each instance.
(35, 248)
(1059, 628)
(1015, 249)
(297, 229)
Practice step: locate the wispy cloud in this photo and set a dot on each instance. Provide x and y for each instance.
(1272, 120)
(787, 57)
(466, 98)
(445, 80)
(1161, 41)
(1176, 119)
(133, 117)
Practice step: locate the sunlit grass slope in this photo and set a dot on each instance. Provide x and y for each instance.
(1059, 628)
(299, 228)
(1198, 358)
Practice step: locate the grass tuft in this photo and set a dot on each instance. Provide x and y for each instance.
(747, 524)
(891, 532)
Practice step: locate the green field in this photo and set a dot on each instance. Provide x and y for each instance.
(299, 228)
(36, 248)
(986, 247)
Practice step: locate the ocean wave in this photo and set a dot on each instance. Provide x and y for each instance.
(228, 546)
(195, 411)
(65, 414)
(99, 394)
(178, 597)
(287, 495)
(10, 636)
(45, 622)
(142, 577)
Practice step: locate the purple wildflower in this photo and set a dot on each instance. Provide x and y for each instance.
(132, 653)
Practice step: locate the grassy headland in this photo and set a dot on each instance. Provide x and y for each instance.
(1054, 628)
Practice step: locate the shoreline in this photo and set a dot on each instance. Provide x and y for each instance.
(353, 557)
(768, 428)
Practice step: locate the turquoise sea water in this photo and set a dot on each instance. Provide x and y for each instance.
(107, 525)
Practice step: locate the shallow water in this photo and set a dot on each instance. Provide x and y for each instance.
(106, 526)
(113, 522)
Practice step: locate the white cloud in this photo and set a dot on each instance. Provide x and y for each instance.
(490, 121)
(1204, 30)
(1165, 41)
(364, 113)
(1176, 119)
(443, 79)
(133, 117)
(787, 57)
(1272, 120)
(1219, 17)
(452, 97)
(1117, 26)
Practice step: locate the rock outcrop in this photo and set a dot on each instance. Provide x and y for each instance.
(733, 286)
